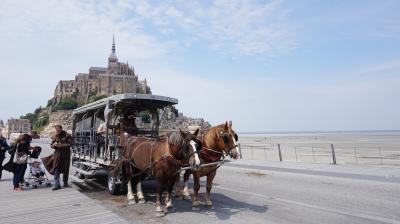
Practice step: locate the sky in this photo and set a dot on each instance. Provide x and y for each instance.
(304, 65)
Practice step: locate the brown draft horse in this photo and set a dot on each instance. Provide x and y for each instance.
(217, 142)
(161, 159)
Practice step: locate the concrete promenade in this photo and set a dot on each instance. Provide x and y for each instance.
(244, 191)
(42, 205)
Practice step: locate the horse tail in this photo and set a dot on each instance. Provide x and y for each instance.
(122, 167)
(117, 169)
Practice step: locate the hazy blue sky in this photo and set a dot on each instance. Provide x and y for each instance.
(266, 65)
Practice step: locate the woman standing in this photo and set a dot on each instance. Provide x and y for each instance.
(20, 159)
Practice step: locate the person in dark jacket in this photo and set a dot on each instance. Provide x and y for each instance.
(60, 160)
(21, 146)
(3, 148)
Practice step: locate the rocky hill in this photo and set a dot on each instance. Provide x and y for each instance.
(63, 117)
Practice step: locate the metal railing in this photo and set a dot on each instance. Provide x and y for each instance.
(323, 153)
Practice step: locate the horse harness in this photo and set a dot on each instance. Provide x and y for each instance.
(152, 163)
(212, 156)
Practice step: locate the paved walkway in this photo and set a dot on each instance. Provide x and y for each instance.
(375, 173)
(43, 205)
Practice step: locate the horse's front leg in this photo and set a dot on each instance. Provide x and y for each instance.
(130, 195)
(210, 178)
(196, 188)
(178, 191)
(186, 192)
(168, 200)
(139, 191)
(159, 209)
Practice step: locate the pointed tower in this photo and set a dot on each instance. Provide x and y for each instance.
(113, 57)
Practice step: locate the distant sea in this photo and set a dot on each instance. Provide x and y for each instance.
(302, 133)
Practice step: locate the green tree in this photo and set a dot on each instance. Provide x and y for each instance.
(67, 104)
(39, 124)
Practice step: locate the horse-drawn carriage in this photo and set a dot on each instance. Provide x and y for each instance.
(119, 136)
(98, 133)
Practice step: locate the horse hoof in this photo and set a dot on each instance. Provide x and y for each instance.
(132, 202)
(197, 208)
(186, 197)
(210, 207)
(142, 201)
(160, 214)
(171, 209)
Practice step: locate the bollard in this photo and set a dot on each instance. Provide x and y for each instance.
(280, 153)
(333, 154)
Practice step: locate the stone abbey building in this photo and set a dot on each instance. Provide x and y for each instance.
(116, 78)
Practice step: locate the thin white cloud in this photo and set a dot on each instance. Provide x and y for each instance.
(73, 22)
(234, 27)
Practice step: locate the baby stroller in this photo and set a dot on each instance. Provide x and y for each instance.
(37, 171)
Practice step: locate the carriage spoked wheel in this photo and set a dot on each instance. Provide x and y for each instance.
(112, 185)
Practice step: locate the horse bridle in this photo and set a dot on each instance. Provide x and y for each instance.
(225, 138)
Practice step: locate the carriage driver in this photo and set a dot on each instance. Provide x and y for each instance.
(128, 127)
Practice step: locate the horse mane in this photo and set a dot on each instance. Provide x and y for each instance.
(175, 138)
(217, 127)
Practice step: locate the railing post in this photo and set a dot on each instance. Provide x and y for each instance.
(240, 152)
(280, 153)
(265, 153)
(313, 156)
(355, 155)
(333, 154)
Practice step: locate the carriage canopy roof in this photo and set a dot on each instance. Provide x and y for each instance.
(135, 99)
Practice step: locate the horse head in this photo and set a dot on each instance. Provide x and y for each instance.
(193, 147)
(185, 147)
(227, 139)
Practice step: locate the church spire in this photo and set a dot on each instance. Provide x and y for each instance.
(113, 45)
(113, 57)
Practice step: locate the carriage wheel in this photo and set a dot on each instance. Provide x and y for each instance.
(112, 186)
(81, 176)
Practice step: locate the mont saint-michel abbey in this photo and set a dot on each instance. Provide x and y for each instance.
(116, 78)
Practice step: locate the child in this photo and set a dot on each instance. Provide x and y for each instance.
(37, 169)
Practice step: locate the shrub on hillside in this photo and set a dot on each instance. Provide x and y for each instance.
(67, 104)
